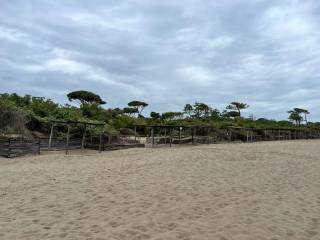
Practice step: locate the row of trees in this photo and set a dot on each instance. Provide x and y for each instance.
(202, 111)
(29, 111)
(195, 111)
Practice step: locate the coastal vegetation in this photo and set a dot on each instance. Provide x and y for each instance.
(31, 115)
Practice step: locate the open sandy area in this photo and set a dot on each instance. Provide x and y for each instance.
(268, 190)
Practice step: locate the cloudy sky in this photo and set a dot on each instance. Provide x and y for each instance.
(167, 53)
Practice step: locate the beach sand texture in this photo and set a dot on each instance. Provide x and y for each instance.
(267, 190)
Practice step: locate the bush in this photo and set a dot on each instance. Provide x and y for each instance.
(12, 120)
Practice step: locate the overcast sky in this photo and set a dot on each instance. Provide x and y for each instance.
(168, 53)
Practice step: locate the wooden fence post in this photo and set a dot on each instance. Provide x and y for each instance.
(9, 148)
(39, 146)
(192, 135)
(165, 136)
(51, 134)
(84, 136)
(265, 135)
(68, 138)
(109, 139)
(152, 136)
(100, 142)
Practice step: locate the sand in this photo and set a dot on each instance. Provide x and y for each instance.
(268, 190)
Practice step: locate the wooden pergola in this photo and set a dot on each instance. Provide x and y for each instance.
(229, 133)
(68, 124)
(168, 131)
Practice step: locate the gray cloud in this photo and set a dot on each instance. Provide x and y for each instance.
(167, 53)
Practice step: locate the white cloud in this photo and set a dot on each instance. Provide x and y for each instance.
(264, 52)
(196, 75)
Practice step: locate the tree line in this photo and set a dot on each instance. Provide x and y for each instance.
(29, 112)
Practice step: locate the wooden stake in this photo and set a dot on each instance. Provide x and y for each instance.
(152, 136)
(68, 138)
(51, 134)
(165, 136)
(192, 135)
(39, 146)
(265, 135)
(100, 143)
(84, 136)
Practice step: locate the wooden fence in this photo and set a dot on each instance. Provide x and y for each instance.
(19, 147)
(4, 147)
(111, 142)
(102, 142)
(58, 144)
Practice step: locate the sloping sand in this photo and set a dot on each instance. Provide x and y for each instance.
(256, 191)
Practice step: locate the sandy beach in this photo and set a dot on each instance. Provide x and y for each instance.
(267, 191)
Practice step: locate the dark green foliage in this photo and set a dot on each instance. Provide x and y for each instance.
(19, 114)
(172, 116)
(201, 110)
(237, 106)
(302, 111)
(138, 105)
(233, 114)
(188, 110)
(295, 116)
(155, 115)
(130, 111)
(85, 97)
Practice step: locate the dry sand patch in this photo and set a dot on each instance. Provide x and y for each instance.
(268, 190)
